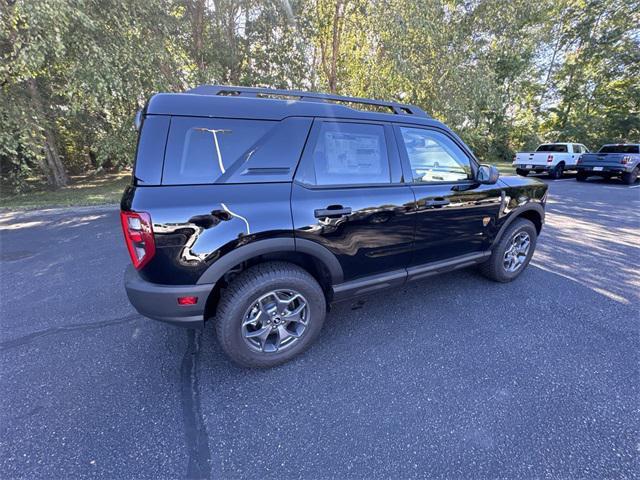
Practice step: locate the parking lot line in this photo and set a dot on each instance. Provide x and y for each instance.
(621, 187)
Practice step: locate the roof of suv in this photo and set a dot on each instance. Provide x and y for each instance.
(271, 104)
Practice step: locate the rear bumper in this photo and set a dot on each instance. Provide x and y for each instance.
(612, 169)
(160, 302)
(533, 168)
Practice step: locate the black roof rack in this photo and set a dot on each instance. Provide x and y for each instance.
(397, 108)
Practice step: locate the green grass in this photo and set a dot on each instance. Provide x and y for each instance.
(505, 168)
(82, 190)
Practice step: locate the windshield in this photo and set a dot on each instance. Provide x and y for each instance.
(619, 149)
(552, 147)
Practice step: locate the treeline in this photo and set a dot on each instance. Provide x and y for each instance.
(505, 74)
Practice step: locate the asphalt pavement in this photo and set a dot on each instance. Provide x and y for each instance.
(451, 377)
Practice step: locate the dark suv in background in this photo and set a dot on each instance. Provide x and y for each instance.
(258, 208)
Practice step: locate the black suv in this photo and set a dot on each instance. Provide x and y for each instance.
(258, 208)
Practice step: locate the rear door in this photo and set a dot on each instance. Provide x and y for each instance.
(574, 155)
(349, 197)
(455, 214)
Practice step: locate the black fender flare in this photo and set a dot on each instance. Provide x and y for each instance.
(272, 245)
(516, 213)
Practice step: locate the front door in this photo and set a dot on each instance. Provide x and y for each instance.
(455, 214)
(348, 197)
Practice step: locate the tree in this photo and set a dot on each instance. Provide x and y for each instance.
(505, 75)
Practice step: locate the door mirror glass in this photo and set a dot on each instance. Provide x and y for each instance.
(487, 174)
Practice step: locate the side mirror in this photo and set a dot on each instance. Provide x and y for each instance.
(487, 174)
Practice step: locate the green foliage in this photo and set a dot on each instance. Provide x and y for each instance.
(506, 75)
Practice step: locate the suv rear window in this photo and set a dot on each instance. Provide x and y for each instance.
(200, 150)
(619, 149)
(550, 147)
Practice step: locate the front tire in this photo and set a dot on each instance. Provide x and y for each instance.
(269, 314)
(522, 172)
(513, 252)
(629, 178)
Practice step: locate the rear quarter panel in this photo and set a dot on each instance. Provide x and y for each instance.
(194, 225)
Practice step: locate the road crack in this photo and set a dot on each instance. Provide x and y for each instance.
(196, 437)
(78, 327)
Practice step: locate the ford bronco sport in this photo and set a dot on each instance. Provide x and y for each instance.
(258, 208)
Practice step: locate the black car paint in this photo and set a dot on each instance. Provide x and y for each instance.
(456, 227)
(377, 235)
(196, 225)
(202, 231)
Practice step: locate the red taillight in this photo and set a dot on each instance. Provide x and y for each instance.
(626, 159)
(187, 300)
(138, 235)
(579, 159)
(550, 159)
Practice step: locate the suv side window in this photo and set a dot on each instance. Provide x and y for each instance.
(434, 157)
(577, 148)
(347, 154)
(200, 150)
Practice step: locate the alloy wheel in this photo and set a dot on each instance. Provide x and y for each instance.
(275, 321)
(517, 252)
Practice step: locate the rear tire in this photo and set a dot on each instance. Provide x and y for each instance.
(629, 178)
(581, 176)
(261, 293)
(557, 172)
(498, 266)
(522, 172)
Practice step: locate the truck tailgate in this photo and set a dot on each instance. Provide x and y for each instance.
(533, 158)
(602, 159)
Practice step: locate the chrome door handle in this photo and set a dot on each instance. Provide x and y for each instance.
(332, 211)
(436, 203)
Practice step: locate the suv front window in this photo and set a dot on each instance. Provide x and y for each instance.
(434, 157)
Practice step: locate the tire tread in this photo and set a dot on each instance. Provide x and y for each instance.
(492, 268)
(249, 280)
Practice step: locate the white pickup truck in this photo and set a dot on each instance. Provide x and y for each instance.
(553, 158)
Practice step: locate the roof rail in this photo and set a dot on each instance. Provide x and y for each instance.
(397, 108)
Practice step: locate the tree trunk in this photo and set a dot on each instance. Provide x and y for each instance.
(197, 27)
(329, 54)
(52, 165)
(232, 42)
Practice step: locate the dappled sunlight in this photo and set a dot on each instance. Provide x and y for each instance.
(6, 217)
(20, 225)
(46, 221)
(75, 222)
(575, 226)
